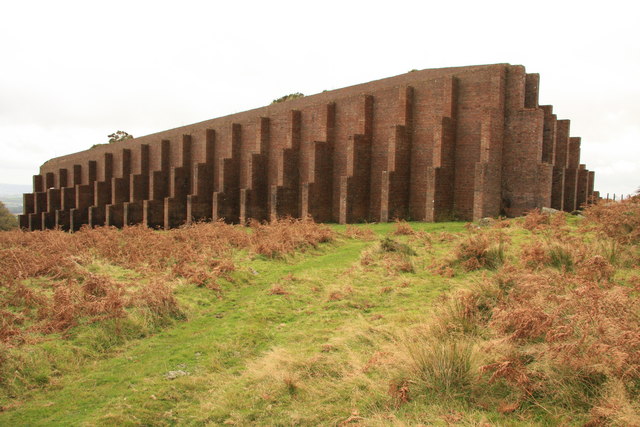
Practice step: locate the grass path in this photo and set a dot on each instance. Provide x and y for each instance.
(234, 350)
(218, 340)
(352, 332)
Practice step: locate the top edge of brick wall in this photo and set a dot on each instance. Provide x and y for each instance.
(328, 96)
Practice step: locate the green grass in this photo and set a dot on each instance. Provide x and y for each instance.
(222, 337)
(324, 352)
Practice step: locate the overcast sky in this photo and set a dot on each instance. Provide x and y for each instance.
(74, 71)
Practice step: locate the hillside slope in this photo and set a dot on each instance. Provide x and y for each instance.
(295, 323)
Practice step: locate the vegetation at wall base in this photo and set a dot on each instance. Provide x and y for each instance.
(510, 322)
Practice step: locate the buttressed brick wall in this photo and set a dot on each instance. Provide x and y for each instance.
(467, 142)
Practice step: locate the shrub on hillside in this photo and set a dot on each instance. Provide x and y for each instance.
(562, 333)
(284, 236)
(535, 219)
(549, 338)
(616, 220)
(8, 221)
(199, 253)
(481, 251)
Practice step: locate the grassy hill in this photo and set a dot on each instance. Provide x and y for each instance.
(518, 322)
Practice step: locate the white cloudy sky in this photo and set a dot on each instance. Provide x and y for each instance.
(71, 72)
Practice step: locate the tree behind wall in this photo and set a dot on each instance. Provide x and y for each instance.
(8, 221)
(119, 136)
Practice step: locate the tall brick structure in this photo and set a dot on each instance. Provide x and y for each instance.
(465, 142)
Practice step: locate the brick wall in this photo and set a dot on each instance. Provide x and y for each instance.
(429, 145)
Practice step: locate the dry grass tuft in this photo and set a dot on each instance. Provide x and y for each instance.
(399, 392)
(278, 289)
(536, 220)
(442, 269)
(284, 236)
(360, 233)
(481, 251)
(443, 365)
(335, 296)
(402, 228)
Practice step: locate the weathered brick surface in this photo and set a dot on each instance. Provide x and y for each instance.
(464, 142)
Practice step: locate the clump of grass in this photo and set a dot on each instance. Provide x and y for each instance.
(402, 228)
(560, 256)
(467, 311)
(278, 289)
(390, 245)
(443, 365)
(284, 236)
(555, 254)
(481, 251)
(158, 302)
(534, 255)
(359, 232)
(535, 220)
(399, 391)
(390, 255)
(596, 269)
(397, 262)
